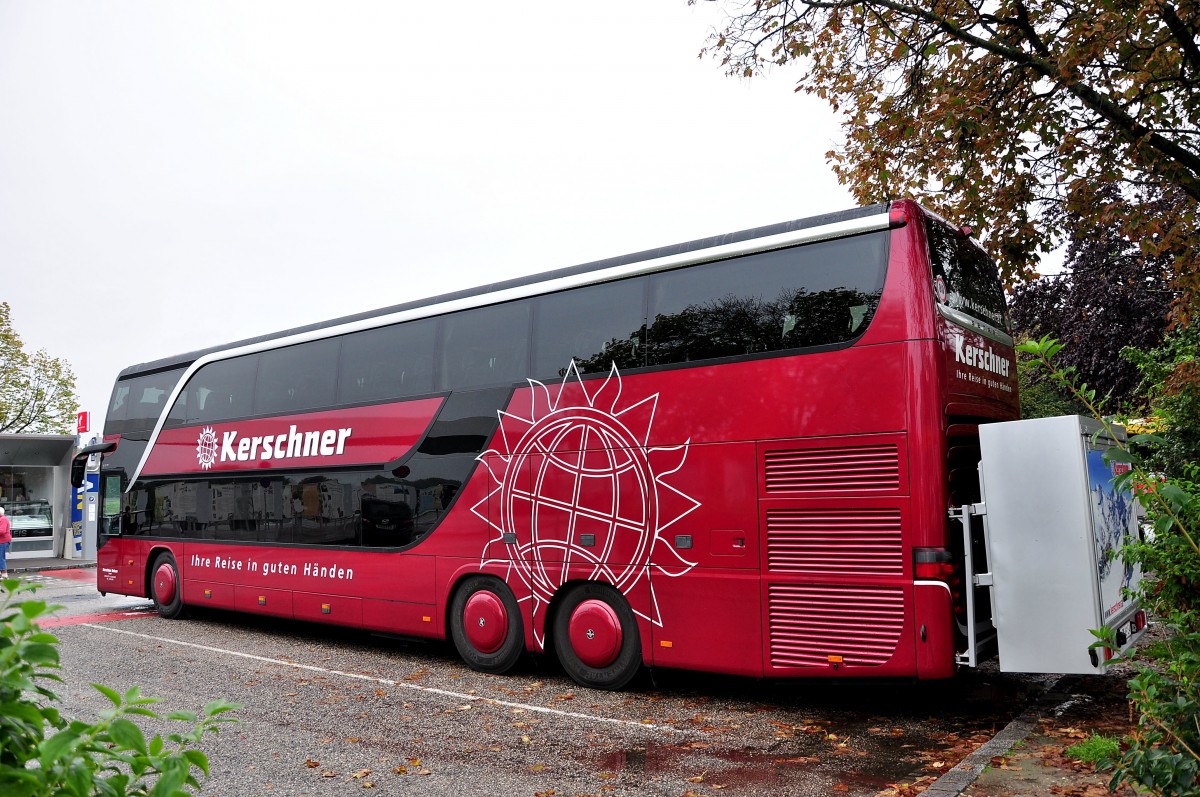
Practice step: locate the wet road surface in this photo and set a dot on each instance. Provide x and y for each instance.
(326, 711)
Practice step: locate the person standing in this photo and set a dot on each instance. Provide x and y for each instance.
(5, 539)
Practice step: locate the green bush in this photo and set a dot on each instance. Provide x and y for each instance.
(1171, 382)
(43, 753)
(1163, 754)
(1170, 559)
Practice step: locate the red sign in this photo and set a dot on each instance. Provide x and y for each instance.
(355, 436)
(83, 422)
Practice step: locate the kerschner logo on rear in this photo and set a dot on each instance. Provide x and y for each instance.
(291, 444)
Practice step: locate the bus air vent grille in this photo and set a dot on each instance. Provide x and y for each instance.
(853, 468)
(812, 626)
(842, 541)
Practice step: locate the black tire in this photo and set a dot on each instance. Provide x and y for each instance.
(478, 602)
(608, 671)
(166, 587)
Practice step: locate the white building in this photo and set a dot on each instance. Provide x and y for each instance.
(35, 491)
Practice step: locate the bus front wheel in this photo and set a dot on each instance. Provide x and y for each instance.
(166, 588)
(486, 626)
(596, 637)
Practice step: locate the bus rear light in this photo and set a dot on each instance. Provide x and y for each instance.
(897, 218)
(933, 564)
(937, 564)
(934, 571)
(1139, 620)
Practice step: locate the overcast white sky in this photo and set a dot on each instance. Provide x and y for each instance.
(177, 175)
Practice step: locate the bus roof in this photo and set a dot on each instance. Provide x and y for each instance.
(184, 359)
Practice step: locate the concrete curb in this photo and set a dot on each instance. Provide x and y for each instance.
(955, 781)
(64, 564)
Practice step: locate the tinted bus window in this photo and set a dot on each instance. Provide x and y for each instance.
(594, 326)
(297, 378)
(486, 346)
(814, 295)
(136, 403)
(969, 280)
(371, 508)
(388, 363)
(219, 391)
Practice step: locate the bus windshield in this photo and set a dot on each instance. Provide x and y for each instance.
(136, 403)
(964, 277)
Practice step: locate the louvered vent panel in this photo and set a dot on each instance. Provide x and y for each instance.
(829, 469)
(808, 624)
(844, 541)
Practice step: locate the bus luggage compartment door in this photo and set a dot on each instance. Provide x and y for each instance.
(1056, 527)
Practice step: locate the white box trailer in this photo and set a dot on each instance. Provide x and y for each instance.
(1053, 527)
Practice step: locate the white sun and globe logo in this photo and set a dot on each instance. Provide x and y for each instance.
(206, 447)
(577, 484)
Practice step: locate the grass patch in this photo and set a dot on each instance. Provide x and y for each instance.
(1095, 748)
(1155, 651)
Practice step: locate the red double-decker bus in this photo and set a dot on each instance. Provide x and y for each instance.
(732, 455)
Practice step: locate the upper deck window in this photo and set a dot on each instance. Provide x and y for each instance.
(818, 294)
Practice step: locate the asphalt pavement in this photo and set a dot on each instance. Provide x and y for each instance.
(1024, 758)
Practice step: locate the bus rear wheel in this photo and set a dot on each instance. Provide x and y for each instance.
(596, 637)
(486, 626)
(166, 588)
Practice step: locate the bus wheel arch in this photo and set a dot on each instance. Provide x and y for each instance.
(486, 624)
(165, 584)
(595, 635)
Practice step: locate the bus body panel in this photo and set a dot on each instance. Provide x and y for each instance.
(933, 604)
(401, 617)
(906, 311)
(121, 569)
(724, 635)
(277, 603)
(977, 369)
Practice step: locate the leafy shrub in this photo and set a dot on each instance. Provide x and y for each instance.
(1171, 381)
(1171, 560)
(1163, 754)
(44, 753)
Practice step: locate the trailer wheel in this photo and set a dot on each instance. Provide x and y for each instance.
(166, 588)
(486, 626)
(596, 637)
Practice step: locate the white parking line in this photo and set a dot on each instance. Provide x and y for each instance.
(458, 696)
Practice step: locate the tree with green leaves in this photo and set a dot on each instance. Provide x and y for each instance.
(37, 391)
(1004, 115)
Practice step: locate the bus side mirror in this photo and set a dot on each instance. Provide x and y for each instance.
(78, 472)
(79, 463)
